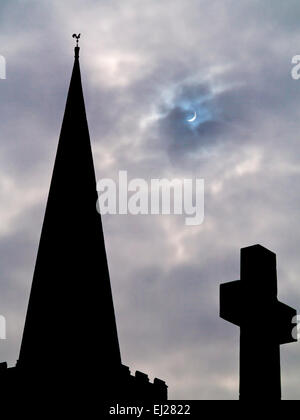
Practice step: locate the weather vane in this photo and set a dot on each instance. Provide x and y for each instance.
(77, 38)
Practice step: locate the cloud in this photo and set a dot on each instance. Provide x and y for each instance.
(144, 67)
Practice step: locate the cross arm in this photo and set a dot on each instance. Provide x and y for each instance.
(284, 323)
(230, 302)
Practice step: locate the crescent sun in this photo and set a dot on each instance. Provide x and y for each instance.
(193, 118)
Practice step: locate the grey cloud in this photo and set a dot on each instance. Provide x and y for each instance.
(166, 301)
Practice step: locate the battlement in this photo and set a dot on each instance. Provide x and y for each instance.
(120, 384)
(126, 386)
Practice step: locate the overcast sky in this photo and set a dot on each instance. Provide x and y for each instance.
(146, 65)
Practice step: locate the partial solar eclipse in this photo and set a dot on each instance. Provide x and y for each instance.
(193, 118)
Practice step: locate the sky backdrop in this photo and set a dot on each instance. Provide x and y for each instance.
(146, 65)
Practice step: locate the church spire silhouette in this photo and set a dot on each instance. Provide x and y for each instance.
(70, 338)
(70, 313)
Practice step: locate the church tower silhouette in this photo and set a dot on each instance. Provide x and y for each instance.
(70, 334)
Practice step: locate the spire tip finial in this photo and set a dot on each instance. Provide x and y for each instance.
(76, 48)
(77, 38)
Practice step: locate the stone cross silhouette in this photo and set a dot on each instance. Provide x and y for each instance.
(265, 323)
